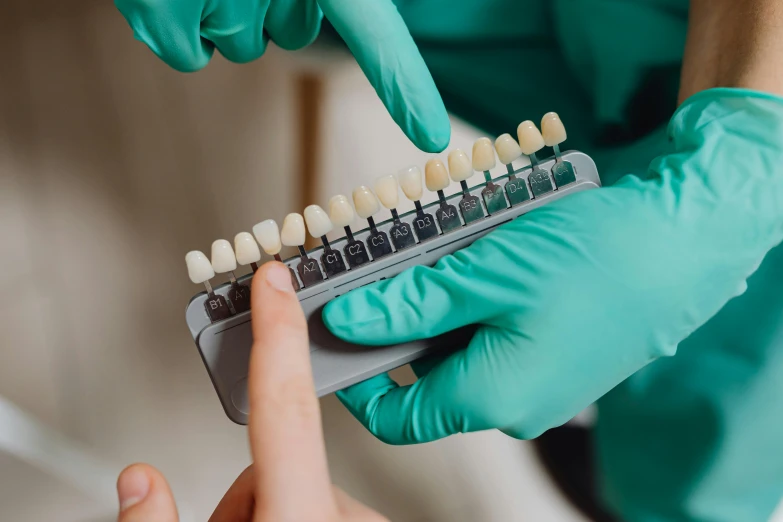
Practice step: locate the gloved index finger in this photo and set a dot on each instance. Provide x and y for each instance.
(292, 477)
(382, 45)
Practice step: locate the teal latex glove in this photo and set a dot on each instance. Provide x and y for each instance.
(185, 33)
(578, 295)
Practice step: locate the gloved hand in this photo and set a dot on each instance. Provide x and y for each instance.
(578, 295)
(185, 33)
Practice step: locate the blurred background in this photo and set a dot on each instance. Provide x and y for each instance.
(112, 167)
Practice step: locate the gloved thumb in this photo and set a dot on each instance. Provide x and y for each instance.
(419, 303)
(145, 496)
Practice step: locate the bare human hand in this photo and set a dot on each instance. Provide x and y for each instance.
(289, 481)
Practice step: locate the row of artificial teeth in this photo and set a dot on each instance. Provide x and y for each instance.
(341, 213)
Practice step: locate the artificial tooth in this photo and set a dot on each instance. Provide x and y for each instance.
(387, 191)
(293, 231)
(508, 151)
(319, 224)
(484, 161)
(386, 187)
(460, 169)
(365, 202)
(223, 258)
(200, 271)
(224, 261)
(423, 223)
(436, 178)
(552, 129)
(366, 206)
(199, 268)
(247, 250)
(483, 155)
(554, 134)
(293, 234)
(531, 141)
(410, 183)
(342, 214)
(267, 234)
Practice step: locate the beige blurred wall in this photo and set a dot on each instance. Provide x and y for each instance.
(112, 166)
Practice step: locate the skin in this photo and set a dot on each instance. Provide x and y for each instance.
(733, 44)
(284, 428)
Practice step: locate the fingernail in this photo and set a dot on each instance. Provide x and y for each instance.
(279, 277)
(132, 487)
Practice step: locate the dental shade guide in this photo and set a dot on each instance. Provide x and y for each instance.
(531, 141)
(484, 161)
(342, 215)
(224, 339)
(267, 233)
(460, 169)
(367, 206)
(554, 134)
(436, 178)
(387, 190)
(224, 261)
(423, 223)
(508, 151)
(319, 224)
(293, 234)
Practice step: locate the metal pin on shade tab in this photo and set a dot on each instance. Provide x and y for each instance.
(484, 161)
(224, 261)
(387, 190)
(423, 223)
(554, 134)
(437, 178)
(342, 215)
(319, 224)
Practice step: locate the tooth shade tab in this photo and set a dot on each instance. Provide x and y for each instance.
(223, 258)
(199, 268)
(460, 167)
(318, 222)
(483, 155)
(507, 148)
(552, 129)
(435, 175)
(387, 191)
(365, 202)
(410, 183)
(246, 249)
(268, 236)
(293, 232)
(530, 139)
(340, 211)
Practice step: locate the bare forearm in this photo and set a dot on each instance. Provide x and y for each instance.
(734, 43)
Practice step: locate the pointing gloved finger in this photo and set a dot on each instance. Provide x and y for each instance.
(382, 45)
(145, 496)
(237, 28)
(293, 24)
(170, 30)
